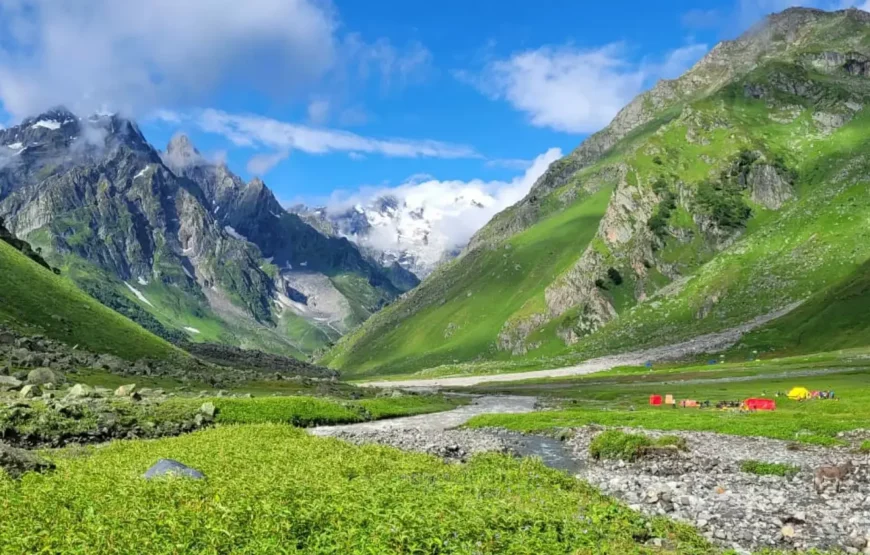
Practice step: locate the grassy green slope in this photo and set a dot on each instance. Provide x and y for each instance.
(34, 300)
(833, 319)
(809, 123)
(479, 293)
(808, 246)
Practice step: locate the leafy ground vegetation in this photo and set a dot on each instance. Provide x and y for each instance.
(273, 489)
(769, 469)
(101, 417)
(618, 445)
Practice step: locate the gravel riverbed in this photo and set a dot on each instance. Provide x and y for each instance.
(703, 486)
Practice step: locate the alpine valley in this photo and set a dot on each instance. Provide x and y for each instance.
(734, 192)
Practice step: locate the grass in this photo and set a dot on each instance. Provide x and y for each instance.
(769, 469)
(619, 445)
(865, 446)
(481, 292)
(313, 411)
(45, 425)
(623, 401)
(274, 489)
(35, 301)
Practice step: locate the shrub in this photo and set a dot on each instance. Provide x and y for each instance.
(614, 276)
(617, 445)
(865, 446)
(769, 469)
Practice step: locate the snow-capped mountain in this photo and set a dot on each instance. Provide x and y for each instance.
(411, 232)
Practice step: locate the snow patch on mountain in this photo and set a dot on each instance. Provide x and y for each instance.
(48, 124)
(424, 221)
(233, 233)
(138, 294)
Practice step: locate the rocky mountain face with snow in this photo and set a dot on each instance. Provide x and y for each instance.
(199, 250)
(391, 230)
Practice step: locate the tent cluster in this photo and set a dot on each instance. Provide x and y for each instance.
(751, 404)
(804, 394)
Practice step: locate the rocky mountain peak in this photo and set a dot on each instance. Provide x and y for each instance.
(181, 154)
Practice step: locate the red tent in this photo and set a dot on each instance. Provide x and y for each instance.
(655, 400)
(759, 404)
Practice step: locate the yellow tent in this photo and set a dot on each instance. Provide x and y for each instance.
(798, 393)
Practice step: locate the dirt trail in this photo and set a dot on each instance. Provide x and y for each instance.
(708, 343)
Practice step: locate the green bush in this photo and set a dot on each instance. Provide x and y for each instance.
(617, 445)
(724, 203)
(769, 469)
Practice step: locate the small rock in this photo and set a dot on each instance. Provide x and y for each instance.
(208, 409)
(18, 461)
(29, 392)
(80, 391)
(167, 467)
(788, 531)
(125, 390)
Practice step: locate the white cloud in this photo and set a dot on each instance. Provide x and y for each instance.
(453, 210)
(261, 164)
(318, 111)
(381, 57)
(254, 131)
(575, 90)
(356, 156)
(136, 55)
(678, 61)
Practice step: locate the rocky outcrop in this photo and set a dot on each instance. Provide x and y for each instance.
(768, 187)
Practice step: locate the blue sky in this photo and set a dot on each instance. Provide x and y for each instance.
(328, 98)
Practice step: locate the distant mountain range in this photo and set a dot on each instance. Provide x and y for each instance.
(203, 255)
(391, 230)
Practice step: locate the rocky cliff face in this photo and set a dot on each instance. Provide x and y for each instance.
(706, 176)
(130, 222)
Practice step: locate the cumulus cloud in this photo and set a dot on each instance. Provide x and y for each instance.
(261, 164)
(134, 57)
(257, 131)
(452, 210)
(575, 90)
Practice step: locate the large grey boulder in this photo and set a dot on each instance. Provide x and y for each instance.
(42, 376)
(169, 467)
(10, 382)
(18, 461)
